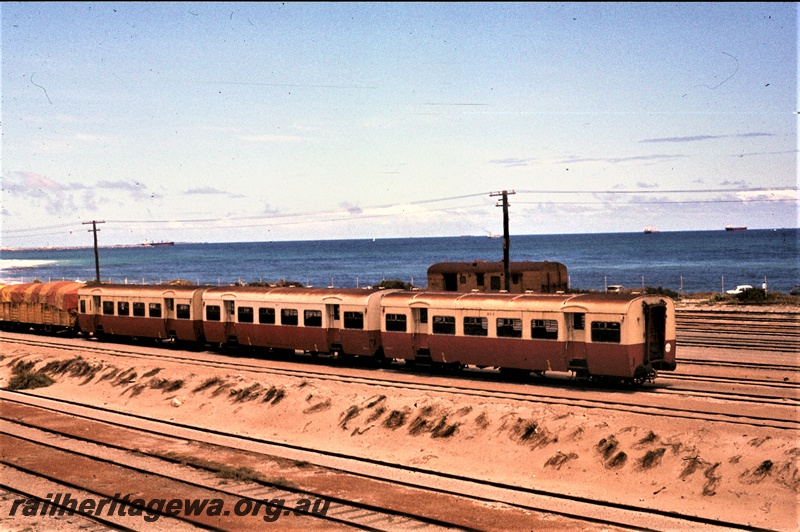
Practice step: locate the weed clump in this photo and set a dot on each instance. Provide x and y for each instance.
(26, 378)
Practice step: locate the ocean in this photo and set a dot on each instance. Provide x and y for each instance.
(687, 261)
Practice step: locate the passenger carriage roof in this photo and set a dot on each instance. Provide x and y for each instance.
(140, 290)
(598, 302)
(295, 294)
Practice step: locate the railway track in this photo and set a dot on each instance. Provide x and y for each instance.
(736, 329)
(70, 434)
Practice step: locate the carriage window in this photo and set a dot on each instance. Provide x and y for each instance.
(353, 320)
(423, 315)
(108, 307)
(288, 316)
(474, 326)
(138, 309)
(83, 306)
(509, 328)
(336, 312)
(544, 329)
(580, 321)
(183, 312)
(123, 308)
(266, 315)
(212, 313)
(606, 331)
(312, 318)
(444, 325)
(245, 314)
(396, 322)
(155, 310)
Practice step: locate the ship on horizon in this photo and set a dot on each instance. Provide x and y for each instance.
(736, 228)
(148, 244)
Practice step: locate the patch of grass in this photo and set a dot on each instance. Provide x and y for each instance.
(618, 461)
(246, 394)
(652, 458)
(443, 429)
(223, 471)
(318, 407)
(274, 395)
(650, 438)
(166, 385)
(25, 378)
(242, 474)
(710, 487)
(395, 420)
(482, 420)
(692, 464)
(559, 459)
(378, 412)
(208, 383)
(349, 414)
(607, 446)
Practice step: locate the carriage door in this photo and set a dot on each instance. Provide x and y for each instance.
(169, 316)
(334, 326)
(576, 342)
(655, 319)
(95, 312)
(421, 328)
(227, 318)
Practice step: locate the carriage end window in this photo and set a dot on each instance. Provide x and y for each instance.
(155, 310)
(108, 307)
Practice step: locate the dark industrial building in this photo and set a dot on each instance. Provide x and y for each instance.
(484, 276)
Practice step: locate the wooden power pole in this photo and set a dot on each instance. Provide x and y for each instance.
(94, 230)
(506, 239)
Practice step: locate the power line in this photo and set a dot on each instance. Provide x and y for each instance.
(358, 213)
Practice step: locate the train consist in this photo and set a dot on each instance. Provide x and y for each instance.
(621, 337)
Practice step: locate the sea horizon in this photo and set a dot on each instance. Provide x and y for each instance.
(683, 261)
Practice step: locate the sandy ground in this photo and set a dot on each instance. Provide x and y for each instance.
(724, 471)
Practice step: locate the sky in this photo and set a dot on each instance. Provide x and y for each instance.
(240, 122)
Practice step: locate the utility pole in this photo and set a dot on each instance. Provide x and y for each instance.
(94, 230)
(506, 239)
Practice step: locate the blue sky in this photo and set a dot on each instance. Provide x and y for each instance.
(219, 122)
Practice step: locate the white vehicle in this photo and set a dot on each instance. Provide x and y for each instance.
(741, 288)
(615, 288)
